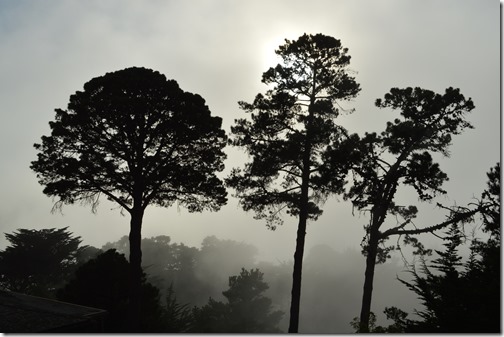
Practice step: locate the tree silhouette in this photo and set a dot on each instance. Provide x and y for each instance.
(177, 317)
(137, 138)
(247, 309)
(458, 296)
(402, 155)
(37, 262)
(392, 313)
(103, 283)
(463, 297)
(292, 127)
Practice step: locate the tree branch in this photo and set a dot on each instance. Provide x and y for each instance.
(456, 218)
(116, 199)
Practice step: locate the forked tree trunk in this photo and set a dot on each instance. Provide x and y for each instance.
(135, 239)
(368, 282)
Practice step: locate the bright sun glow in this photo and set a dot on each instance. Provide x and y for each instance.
(271, 43)
(268, 56)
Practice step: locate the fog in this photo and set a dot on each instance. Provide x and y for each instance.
(332, 280)
(219, 50)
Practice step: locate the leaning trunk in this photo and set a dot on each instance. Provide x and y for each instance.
(135, 295)
(368, 282)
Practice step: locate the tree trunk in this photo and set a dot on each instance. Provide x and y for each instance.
(303, 213)
(368, 281)
(135, 239)
(296, 275)
(301, 232)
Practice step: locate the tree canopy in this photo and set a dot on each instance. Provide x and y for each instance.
(292, 126)
(134, 135)
(37, 262)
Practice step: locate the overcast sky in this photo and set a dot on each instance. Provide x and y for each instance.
(219, 49)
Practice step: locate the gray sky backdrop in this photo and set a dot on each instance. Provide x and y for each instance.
(219, 49)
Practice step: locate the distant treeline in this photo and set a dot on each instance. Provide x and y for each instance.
(190, 276)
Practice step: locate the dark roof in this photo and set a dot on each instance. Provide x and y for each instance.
(24, 313)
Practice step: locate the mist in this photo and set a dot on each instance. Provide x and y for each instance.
(332, 280)
(219, 50)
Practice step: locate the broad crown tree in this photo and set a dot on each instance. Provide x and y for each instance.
(289, 130)
(138, 139)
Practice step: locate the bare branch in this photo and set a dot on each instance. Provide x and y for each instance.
(116, 199)
(456, 218)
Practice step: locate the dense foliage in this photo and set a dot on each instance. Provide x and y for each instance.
(137, 138)
(37, 262)
(103, 283)
(463, 297)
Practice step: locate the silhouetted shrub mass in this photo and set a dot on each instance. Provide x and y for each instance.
(103, 283)
(37, 262)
